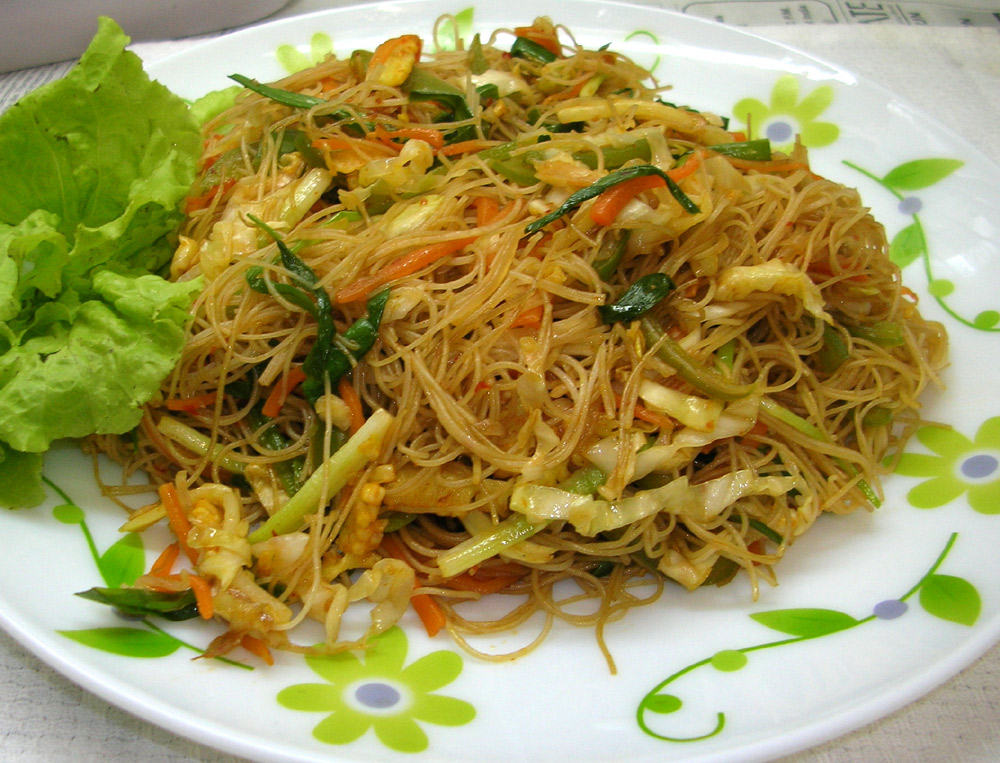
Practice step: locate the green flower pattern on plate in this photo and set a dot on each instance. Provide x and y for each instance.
(956, 466)
(380, 693)
(786, 116)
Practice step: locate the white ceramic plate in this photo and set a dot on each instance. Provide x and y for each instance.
(873, 610)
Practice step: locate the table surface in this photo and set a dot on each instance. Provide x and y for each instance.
(952, 73)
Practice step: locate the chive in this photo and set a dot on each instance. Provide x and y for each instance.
(702, 378)
(278, 95)
(141, 602)
(290, 470)
(531, 51)
(610, 255)
(766, 531)
(602, 569)
(606, 182)
(778, 411)
(477, 61)
(329, 479)
(752, 150)
(723, 570)
(641, 297)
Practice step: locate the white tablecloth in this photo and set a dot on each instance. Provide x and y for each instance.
(950, 72)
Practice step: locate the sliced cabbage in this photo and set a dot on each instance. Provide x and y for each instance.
(590, 516)
(774, 276)
(696, 412)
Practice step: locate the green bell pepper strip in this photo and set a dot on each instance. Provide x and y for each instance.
(606, 182)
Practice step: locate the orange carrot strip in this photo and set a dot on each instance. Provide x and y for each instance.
(280, 391)
(165, 561)
(350, 396)
(693, 162)
(758, 430)
(429, 611)
(658, 420)
(530, 318)
(194, 203)
(258, 648)
(202, 596)
(402, 266)
(487, 210)
(465, 147)
(481, 583)
(612, 201)
(427, 134)
(190, 404)
(177, 518)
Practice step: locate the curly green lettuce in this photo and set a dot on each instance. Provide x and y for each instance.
(93, 168)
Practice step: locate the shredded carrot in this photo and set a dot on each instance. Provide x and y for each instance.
(334, 144)
(405, 265)
(570, 92)
(280, 391)
(659, 420)
(487, 210)
(427, 134)
(465, 147)
(530, 318)
(194, 203)
(753, 435)
(190, 404)
(165, 561)
(612, 201)
(481, 583)
(350, 396)
(429, 611)
(258, 648)
(739, 136)
(177, 518)
(202, 596)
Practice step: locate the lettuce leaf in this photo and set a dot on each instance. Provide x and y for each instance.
(93, 168)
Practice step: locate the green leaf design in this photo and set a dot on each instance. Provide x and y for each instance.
(907, 245)
(807, 622)
(128, 642)
(951, 598)
(123, 562)
(662, 703)
(920, 173)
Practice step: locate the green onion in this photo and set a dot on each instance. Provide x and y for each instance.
(606, 182)
(142, 602)
(701, 377)
(290, 470)
(779, 412)
(616, 156)
(641, 297)
(198, 443)
(329, 479)
(278, 95)
(766, 531)
(610, 255)
(752, 150)
(833, 354)
(513, 529)
(531, 51)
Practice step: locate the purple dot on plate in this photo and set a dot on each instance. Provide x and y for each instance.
(377, 695)
(889, 609)
(910, 205)
(979, 466)
(779, 132)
